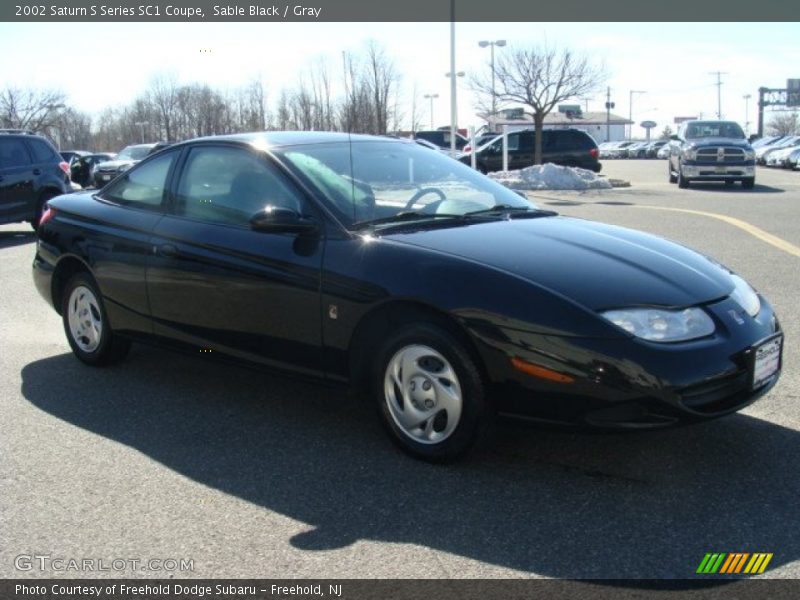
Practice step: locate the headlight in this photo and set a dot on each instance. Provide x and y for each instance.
(749, 154)
(659, 325)
(124, 168)
(745, 296)
(689, 153)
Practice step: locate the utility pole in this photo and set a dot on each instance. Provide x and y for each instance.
(609, 106)
(630, 111)
(719, 75)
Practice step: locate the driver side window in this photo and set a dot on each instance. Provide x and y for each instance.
(227, 185)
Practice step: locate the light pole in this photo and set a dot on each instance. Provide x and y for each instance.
(141, 125)
(431, 97)
(630, 111)
(499, 44)
(453, 104)
(747, 113)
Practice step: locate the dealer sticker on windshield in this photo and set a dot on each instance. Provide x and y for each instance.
(767, 361)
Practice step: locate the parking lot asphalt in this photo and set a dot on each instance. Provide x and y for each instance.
(249, 474)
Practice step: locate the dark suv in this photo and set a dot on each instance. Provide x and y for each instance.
(567, 147)
(31, 172)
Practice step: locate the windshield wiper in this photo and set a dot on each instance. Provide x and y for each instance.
(403, 217)
(517, 211)
(499, 208)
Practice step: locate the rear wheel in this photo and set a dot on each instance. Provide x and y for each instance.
(430, 393)
(86, 325)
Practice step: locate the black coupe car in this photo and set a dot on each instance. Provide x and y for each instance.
(375, 262)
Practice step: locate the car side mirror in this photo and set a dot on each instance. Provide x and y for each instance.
(752, 138)
(675, 138)
(277, 219)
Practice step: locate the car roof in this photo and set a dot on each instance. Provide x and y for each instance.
(274, 139)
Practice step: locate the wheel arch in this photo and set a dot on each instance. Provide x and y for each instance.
(382, 320)
(65, 269)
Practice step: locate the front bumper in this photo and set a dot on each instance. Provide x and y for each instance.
(630, 383)
(716, 171)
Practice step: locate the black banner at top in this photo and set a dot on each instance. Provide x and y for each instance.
(401, 11)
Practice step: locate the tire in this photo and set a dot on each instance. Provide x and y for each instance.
(683, 183)
(438, 411)
(86, 324)
(749, 183)
(672, 177)
(37, 212)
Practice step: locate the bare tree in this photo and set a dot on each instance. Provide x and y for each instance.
(164, 97)
(32, 109)
(415, 116)
(382, 79)
(73, 129)
(666, 133)
(784, 123)
(539, 78)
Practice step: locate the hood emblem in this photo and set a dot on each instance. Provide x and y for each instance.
(720, 154)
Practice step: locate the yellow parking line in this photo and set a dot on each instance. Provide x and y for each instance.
(764, 236)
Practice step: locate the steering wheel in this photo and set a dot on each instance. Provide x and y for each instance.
(424, 192)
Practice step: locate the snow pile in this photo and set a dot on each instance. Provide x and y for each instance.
(551, 177)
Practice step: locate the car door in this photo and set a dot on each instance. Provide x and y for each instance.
(17, 178)
(217, 285)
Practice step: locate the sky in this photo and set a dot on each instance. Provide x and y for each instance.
(101, 65)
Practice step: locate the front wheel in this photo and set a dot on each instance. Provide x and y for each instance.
(430, 393)
(749, 183)
(86, 325)
(682, 181)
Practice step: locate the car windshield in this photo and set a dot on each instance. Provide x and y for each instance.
(133, 153)
(383, 181)
(704, 129)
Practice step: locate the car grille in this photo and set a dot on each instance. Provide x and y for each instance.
(727, 155)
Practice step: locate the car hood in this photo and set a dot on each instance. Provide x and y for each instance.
(598, 266)
(114, 164)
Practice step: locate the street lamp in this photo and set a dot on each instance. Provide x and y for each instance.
(453, 104)
(431, 97)
(630, 111)
(491, 45)
(747, 113)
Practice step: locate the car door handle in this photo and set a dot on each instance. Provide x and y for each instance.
(167, 250)
(37, 171)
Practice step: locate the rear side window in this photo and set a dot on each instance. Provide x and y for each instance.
(145, 185)
(13, 153)
(228, 186)
(42, 151)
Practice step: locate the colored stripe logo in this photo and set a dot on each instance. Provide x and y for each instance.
(732, 563)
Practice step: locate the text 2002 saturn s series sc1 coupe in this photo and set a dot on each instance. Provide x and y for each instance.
(378, 262)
